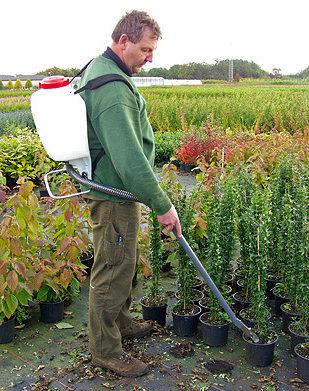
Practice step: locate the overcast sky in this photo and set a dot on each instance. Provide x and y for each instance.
(38, 34)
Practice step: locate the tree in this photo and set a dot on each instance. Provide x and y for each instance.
(276, 73)
(59, 71)
(18, 85)
(1, 85)
(9, 85)
(28, 84)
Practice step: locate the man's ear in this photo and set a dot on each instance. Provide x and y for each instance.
(123, 40)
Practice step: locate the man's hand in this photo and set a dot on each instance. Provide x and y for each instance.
(170, 220)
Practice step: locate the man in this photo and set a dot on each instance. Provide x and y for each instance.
(122, 152)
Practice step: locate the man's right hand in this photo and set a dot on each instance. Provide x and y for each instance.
(170, 220)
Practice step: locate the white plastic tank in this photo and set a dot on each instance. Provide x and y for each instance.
(60, 118)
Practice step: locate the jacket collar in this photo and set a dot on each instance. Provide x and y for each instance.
(110, 54)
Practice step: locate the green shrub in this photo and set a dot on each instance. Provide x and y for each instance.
(12, 119)
(22, 154)
(166, 144)
(28, 84)
(1, 85)
(9, 85)
(18, 85)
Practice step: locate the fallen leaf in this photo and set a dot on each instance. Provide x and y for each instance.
(64, 325)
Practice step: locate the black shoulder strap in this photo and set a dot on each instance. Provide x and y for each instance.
(81, 71)
(102, 80)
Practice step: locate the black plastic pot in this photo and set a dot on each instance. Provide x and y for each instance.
(302, 364)
(186, 167)
(260, 354)
(186, 325)
(43, 193)
(239, 303)
(296, 338)
(270, 284)
(156, 313)
(52, 312)
(166, 267)
(88, 262)
(278, 301)
(287, 318)
(7, 331)
(214, 334)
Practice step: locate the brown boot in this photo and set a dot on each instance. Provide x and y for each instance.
(123, 365)
(137, 330)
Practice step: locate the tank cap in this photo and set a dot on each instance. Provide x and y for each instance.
(54, 82)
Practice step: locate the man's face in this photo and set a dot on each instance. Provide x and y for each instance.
(136, 55)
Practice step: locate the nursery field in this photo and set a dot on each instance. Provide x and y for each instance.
(233, 107)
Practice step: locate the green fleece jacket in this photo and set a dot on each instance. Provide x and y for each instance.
(117, 121)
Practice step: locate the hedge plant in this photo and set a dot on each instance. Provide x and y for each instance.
(22, 154)
(11, 120)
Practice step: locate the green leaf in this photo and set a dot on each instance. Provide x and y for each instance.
(64, 325)
(5, 309)
(23, 297)
(12, 303)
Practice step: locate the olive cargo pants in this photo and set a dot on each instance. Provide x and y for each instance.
(115, 238)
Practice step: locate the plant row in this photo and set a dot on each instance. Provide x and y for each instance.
(229, 107)
(266, 225)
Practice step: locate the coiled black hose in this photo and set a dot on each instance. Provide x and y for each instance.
(99, 187)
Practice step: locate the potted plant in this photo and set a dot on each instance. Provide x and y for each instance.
(262, 352)
(244, 189)
(58, 278)
(154, 304)
(220, 233)
(288, 237)
(19, 233)
(302, 361)
(299, 327)
(185, 313)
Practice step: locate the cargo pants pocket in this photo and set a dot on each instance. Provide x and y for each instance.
(115, 244)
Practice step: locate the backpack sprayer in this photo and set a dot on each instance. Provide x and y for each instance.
(59, 113)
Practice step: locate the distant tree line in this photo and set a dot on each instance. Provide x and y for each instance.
(200, 71)
(59, 71)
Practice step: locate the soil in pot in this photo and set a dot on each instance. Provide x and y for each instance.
(52, 312)
(214, 333)
(154, 310)
(7, 330)
(261, 354)
(240, 302)
(297, 337)
(302, 357)
(288, 315)
(185, 321)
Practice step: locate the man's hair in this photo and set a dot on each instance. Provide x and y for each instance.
(133, 24)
